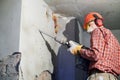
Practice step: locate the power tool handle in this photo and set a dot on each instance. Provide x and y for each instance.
(67, 44)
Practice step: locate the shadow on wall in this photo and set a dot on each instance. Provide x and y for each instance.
(81, 64)
(65, 69)
(66, 62)
(61, 64)
(53, 57)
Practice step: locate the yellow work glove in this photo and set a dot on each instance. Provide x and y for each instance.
(74, 47)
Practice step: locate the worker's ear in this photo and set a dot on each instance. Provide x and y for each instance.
(98, 21)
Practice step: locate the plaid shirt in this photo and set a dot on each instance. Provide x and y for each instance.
(104, 53)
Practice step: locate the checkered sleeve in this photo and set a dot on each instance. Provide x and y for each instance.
(95, 52)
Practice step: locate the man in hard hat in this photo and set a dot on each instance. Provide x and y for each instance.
(104, 51)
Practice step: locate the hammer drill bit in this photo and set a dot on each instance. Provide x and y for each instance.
(62, 41)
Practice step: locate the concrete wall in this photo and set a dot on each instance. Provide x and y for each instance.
(10, 12)
(36, 48)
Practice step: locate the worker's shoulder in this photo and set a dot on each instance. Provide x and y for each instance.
(105, 30)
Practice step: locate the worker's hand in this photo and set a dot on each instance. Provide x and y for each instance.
(74, 47)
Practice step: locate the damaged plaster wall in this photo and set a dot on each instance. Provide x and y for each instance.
(36, 48)
(19, 31)
(9, 67)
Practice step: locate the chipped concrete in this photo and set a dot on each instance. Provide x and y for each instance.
(9, 67)
(45, 75)
(37, 49)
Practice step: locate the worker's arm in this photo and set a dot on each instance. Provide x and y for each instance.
(93, 53)
(96, 51)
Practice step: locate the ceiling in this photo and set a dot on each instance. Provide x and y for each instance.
(110, 9)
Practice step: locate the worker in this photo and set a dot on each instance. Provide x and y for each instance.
(104, 51)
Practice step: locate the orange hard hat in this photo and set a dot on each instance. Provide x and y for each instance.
(91, 17)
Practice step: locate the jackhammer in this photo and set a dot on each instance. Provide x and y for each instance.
(62, 41)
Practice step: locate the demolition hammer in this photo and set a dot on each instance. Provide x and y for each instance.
(63, 42)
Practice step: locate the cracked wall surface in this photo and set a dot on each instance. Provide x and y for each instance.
(9, 67)
(36, 47)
